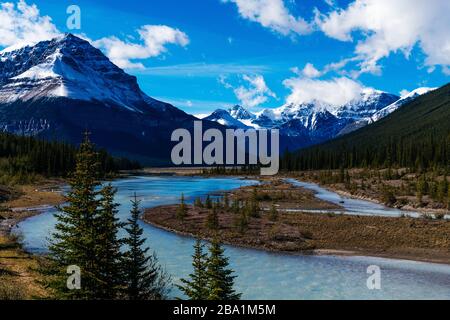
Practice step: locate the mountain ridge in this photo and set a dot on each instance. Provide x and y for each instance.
(58, 88)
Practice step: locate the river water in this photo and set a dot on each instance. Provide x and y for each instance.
(262, 275)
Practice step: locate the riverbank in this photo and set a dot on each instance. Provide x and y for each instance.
(392, 188)
(309, 233)
(19, 278)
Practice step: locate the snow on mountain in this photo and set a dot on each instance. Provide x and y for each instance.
(399, 103)
(69, 67)
(224, 118)
(317, 121)
(61, 87)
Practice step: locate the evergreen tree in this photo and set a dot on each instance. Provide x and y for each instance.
(145, 279)
(198, 203)
(108, 246)
(196, 287)
(241, 220)
(208, 202)
(212, 220)
(220, 276)
(75, 236)
(182, 209)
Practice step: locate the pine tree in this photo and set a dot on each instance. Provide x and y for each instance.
(208, 202)
(74, 239)
(220, 276)
(196, 287)
(108, 247)
(182, 209)
(198, 203)
(212, 219)
(241, 220)
(145, 279)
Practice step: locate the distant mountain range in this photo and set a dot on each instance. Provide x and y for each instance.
(415, 136)
(57, 89)
(311, 123)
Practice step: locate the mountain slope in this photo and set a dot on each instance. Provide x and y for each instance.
(224, 118)
(416, 135)
(59, 88)
(302, 125)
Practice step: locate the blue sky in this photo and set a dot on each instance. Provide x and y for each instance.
(216, 53)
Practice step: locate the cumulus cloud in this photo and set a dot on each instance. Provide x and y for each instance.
(388, 26)
(335, 92)
(272, 14)
(254, 93)
(22, 24)
(310, 71)
(154, 39)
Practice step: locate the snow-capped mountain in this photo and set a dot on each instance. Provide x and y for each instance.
(225, 118)
(399, 103)
(68, 67)
(315, 122)
(56, 89)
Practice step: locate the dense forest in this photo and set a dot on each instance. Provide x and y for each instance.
(22, 158)
(416, 136)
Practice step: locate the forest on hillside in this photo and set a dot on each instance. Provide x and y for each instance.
(23, 158)
(417, 136)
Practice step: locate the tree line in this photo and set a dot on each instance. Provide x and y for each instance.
(419, 153)
(23, 157)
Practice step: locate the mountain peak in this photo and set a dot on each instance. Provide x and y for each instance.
(70, 67)
(240, 113)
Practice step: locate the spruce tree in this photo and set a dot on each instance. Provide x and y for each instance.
(145, 279)
(212, 219)
(196, 287)
(208, 202)
(108, 246)
(182, 209)
(74, 239)
(220, 276)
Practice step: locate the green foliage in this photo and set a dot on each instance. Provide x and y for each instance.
(86, 236)
(182, 209)
(416, 136)
(110, 273)
(23, 159)
(208, 202)
(220, 276)
(198, 203)
(212, 279)
(212, 220)
(77, 230)
(196, 287)
(145, 279)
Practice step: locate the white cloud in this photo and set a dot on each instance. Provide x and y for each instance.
(154, 39)
(390, 26)
(310, 71)
(255, 93)
(337, 91)
(272, 14)
(404, 93)
(21, 24)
